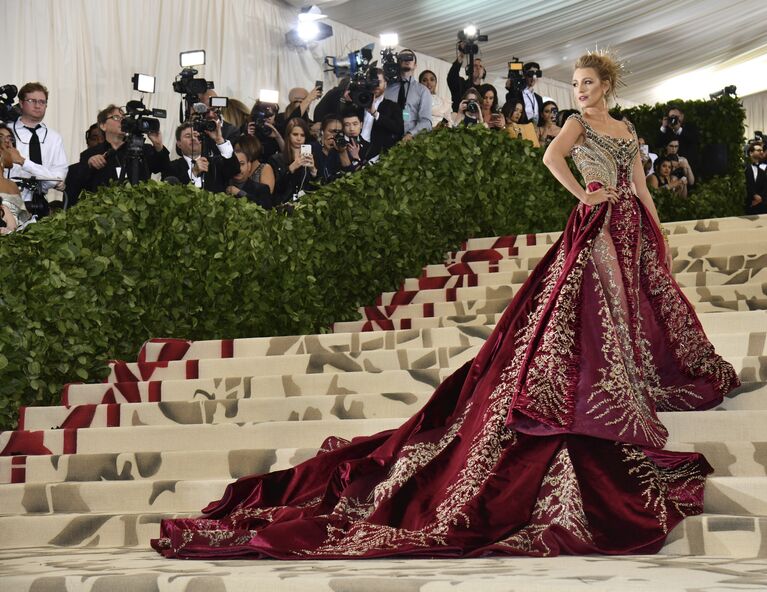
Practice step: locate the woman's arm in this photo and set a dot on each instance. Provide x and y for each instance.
(555, 159)
(653, 180)
(687, 170)
(267, 177)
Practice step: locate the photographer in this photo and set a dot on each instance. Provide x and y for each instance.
(356, 147)
(756, 181)
(412, 97)
(469, 109)
(106, 162)
(228, 130)
(39, 150)
(330, 154)
(209, 172)
(459, 85)
(261, 125)
(532, 101)
(247, 182)
(674, 127)
(681, 165)
(294, 169)
(382, 125)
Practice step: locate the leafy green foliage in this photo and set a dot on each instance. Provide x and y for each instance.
(130, 263)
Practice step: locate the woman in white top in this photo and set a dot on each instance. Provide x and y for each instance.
(441, 111)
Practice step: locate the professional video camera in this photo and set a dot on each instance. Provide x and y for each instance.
(139, 120)
(390, 63)
(187, 85)
(468, 39)
(516, 76)
(358, 66)
(7, 111)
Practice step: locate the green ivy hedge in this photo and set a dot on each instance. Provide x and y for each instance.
(130, 263)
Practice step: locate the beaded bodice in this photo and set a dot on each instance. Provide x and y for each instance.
(602, 158)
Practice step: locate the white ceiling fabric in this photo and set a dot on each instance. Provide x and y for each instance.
(698, 44)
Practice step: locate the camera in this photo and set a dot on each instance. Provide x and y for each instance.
(7, 111)
(390, 64)
(673, 120)
(139, 120)
(340, 140)
(472, 107)
(187, 84)
(261, 112)
(518, 83)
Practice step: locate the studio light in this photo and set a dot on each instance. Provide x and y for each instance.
(308, 30)
(388, 40)
(195, 57)
(470, 31)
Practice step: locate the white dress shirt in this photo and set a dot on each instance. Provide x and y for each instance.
(367, 125)
(225, 149)
(55, 164)
(531, 105)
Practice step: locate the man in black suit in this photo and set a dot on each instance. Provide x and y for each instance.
(109, 161)
(458, 85)
(382, 123)
(532, 101)
(212, 171)
(756, 182)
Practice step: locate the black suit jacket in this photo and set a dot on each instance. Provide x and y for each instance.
(689, 143)
(388, 129)
(216, 179)
(89, 179)
(458, 85)
(756, 186)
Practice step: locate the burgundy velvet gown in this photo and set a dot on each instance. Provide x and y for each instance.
(547, 442)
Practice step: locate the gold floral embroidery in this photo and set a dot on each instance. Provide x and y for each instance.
(561, 505)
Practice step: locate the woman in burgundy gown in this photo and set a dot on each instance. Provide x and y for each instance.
(547, 442)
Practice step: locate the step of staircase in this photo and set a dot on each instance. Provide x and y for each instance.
(87, 569)
(729, 459)
(739, 496)
(408, 354)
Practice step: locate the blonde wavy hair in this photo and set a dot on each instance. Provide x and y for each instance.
(607, 66)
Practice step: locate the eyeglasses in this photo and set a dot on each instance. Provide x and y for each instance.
(42, 102)
(116, 117)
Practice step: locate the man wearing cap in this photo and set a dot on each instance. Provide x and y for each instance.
(532, 101)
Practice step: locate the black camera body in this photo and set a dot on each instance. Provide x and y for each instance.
(139, 120)
(261, 112)
(8, 112)
(390, 64)
(673, 120)
(340, 140)
(472, 107)
(363, 82)
(187, 84)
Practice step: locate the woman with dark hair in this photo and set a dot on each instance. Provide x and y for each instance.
(548, 130)
(294, 169)
(489, 103)
(441, 112)
(680, 164)
(662, 177)
(513, 111)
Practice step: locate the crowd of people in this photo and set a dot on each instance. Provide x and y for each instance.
(273, 157)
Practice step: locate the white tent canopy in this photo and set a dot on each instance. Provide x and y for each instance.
(682, 49)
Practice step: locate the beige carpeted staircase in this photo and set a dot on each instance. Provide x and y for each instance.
(84, 485)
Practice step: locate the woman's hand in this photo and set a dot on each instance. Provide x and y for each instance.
(601, 195)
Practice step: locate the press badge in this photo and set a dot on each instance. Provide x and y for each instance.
(405, 115)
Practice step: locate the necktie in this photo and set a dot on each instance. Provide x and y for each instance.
(402, 98)
(35, 154)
